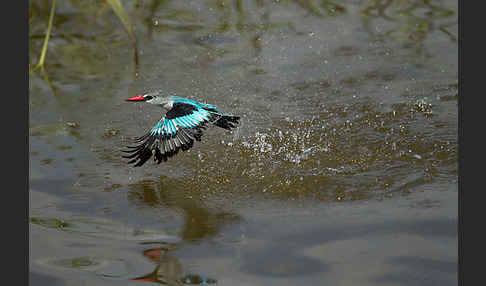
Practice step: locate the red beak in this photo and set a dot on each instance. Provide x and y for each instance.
(136, 98)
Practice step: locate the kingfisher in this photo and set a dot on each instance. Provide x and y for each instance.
(183, 122)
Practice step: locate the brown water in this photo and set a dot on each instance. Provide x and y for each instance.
(343, 170)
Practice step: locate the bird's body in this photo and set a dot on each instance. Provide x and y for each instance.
(177, 129)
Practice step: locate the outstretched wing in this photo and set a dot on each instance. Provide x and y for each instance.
(176, 131)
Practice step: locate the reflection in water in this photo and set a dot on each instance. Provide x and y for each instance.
(329, 8)
(169, 271)
(408, 22)
(199, 224)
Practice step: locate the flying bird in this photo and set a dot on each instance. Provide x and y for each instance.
(183, 122)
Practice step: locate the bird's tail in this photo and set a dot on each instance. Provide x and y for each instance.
(226, 121)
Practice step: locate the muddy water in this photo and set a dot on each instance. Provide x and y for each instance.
(343, 170)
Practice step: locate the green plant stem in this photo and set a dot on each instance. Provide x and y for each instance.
(46, 40)
(123, 16)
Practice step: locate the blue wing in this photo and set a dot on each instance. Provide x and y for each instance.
(202, 109)
(175, 131)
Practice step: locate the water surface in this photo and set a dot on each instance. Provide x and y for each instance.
(343, 170)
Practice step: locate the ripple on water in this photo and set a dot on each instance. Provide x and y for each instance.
(105, 267)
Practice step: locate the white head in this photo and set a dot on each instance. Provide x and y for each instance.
(153, 97)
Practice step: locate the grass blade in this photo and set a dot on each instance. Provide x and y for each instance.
(122, 14)
(46, 39)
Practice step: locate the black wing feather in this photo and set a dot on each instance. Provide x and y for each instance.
(163, 146)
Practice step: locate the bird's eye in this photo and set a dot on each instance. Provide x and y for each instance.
(148, 97)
